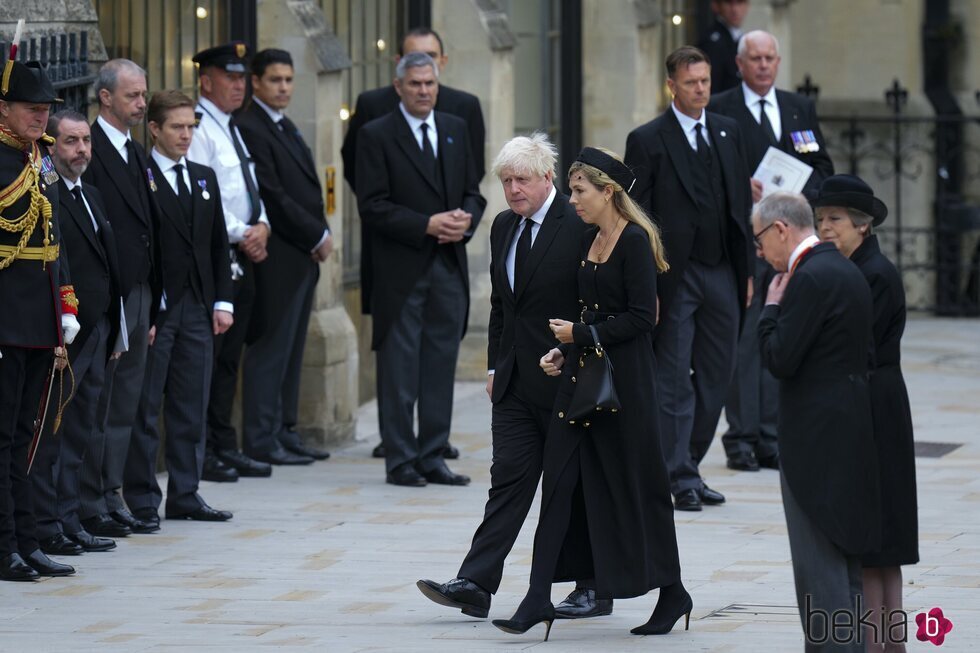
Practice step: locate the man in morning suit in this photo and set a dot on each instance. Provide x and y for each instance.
(39, 305)
(691, 179)
(815, 334)
(721, 41)
(286, 281)
(535, 250)
(382, 101)
(118, 171)
(196, 306)
(767, 117)
(88, 237)
(418, 191)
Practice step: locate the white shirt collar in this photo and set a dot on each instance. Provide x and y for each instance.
(538, 216)
(416, 123)
(116, 137)
(71, 184)
(804, 245)
(212, 109)
(273, 113)
(752, 98)
(687, 122)
(166, 163)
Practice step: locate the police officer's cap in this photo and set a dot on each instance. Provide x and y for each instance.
(230, 56)
(27, 82)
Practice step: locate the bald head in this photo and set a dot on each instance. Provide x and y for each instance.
(758, 60)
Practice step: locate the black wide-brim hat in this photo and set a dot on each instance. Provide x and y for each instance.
(28, 83)
(851, 192)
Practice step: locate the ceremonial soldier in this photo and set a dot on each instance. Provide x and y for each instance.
(39, 306)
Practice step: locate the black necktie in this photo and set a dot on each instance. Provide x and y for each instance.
(134, 164)
(76, 192)
(703, 152)
(183, 194)
(294, 141)
(253, 192)
(523, 251)
(427, 152)
(766, 125)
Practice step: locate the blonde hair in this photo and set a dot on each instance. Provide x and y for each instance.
(625, 205)
(530, 155)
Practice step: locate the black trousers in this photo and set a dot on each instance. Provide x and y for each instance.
(518, 429)
(22, 374)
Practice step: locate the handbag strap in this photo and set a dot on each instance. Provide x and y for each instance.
(595, 339)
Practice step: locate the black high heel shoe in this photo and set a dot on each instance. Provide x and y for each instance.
(517, 626)
(669, 610)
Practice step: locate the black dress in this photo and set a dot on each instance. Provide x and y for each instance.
(607, 483)
(891, 413)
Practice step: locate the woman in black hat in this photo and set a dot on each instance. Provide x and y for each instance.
(847, 213)
(606, 510)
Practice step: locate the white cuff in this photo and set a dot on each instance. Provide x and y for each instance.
(227, 307)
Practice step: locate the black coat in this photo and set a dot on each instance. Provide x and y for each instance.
(30, 300)
(664, 188)
(818, 344)
(293, 199)
(796, 113)
(721, 49)
(630, 546)
(95, 269)
(379, 102)
(891, 412)
(198, 261)
(397, 195)
(518, 329)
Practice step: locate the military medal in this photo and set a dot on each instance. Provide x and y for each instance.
(203, 183)
(149, 178)
(48, 172)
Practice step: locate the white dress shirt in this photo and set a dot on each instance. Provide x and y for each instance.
(415, 124)
(688, 126)
(72, 185)
(212, 146)
(772, 108)
(276, 117)
(116, 137)
(536, 221)
(169, 170)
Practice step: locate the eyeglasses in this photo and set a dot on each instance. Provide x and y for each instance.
(758, 237)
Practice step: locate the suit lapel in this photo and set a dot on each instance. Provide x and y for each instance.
(406, 140)
(504, 251)
(546, 234)
(117, 169)
(722, 140)
(81, 218)
(446, 156)
(790, 119)
(299, 151)
(675, 142)
(168, 202)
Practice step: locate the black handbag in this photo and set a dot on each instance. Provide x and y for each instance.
(595, 389)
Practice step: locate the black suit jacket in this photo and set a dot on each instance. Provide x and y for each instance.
(796, 113)
(94, 265)
(818, 344)
(198, 259)
(293, 198)
(379, 102)
(721, 49)
(664, 188)
(518, 329)
(397, 195)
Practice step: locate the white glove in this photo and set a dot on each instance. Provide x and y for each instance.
(70, 327)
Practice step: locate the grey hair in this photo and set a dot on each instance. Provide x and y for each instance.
(858, 218)
(415, 60)
(791, 208)
(109, 74)
(526, 155)
(743, 43)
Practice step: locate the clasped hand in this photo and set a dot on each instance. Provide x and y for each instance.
(552, 361)
(562, 330)
(449, 226)
(254, 242)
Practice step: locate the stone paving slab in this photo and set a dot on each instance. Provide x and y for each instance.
(325, 558)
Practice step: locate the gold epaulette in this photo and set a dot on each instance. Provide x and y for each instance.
(47, 140)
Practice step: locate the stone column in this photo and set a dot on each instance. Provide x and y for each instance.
(329, 399)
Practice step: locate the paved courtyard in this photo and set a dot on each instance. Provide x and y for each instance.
(325, 558)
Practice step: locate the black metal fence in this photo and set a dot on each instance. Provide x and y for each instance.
(924, 168)
(66, 58)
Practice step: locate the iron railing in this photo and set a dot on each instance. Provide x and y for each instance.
(66, 59)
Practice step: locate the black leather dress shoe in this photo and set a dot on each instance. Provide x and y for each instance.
(59, 545)
(465, 595)
(689, 500)
(148, 516)
(581, 604)
(301, 449)
(90, 542)
(405, 475)
(444, 476)
(450, 452)
(105, 526)
(216, 471)
(711, 497)
(770, 462)
(379, 451)
(45, 566)
(245, 466)
(282, 457)
(127, 518)
(743, 461)
(204, 513)
(13, 567)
